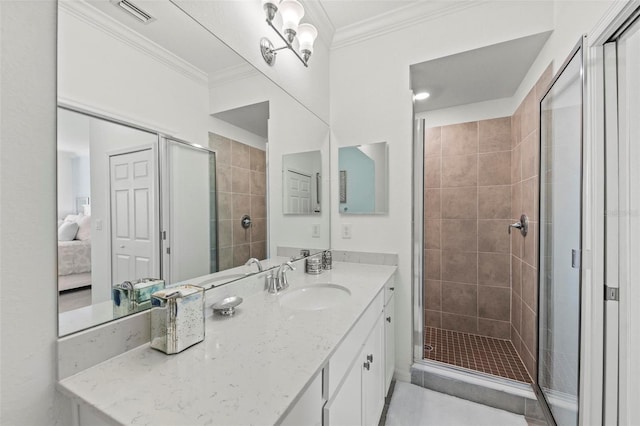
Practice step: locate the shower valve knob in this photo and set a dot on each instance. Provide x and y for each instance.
(523, 225)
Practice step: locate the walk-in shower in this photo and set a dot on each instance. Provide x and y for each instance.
(499, 305)
(479, 279)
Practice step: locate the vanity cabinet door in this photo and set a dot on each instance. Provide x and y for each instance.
(307, 410)
(389, 342)
(373, 368)
(345, 409)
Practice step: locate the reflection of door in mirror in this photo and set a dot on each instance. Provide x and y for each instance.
(113, 166)
(298, 192)
(133, 235)
(190, 248)
(301, 182)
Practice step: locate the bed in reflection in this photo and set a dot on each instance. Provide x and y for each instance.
(74, 252)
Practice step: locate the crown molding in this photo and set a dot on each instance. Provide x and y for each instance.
(233, 73)
(318, 16)
(110, 114)
(396, 20)
(99, 20)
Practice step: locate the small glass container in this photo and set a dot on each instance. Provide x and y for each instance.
(327, 260)
(313, 265)
(177, 318)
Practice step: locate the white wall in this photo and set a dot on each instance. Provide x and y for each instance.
(241, 25)
(571, 19)
(28, 302)
(66, 199)
(103, 74)
(292, 128)
(371, 101)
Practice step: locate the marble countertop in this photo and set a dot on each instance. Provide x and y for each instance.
(249, 369)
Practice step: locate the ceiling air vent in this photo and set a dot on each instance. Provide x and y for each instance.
(134, 11)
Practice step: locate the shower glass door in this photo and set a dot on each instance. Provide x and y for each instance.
(560, 241)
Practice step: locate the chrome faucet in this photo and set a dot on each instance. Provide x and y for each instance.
(256, 261)
(281, 275)
(277, 282)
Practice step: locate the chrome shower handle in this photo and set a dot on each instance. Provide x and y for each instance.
(516, 225)
(523, 225)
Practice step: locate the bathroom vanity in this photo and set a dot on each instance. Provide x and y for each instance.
(293, 358)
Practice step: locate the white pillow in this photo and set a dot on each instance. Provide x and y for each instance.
(67, 231)
(84, 228)
(72, 218)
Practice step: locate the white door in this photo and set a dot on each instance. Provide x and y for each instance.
(373, 375)
(626, 210)
(299, 192)
(133, 234)
(345, 409)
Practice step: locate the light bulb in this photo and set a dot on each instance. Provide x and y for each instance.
(291, 12)
(307, 34)
(421, 96)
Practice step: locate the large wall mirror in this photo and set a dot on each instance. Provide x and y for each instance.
(170, 155)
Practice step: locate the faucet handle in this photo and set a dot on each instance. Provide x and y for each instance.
(282, 274)
(271, 283)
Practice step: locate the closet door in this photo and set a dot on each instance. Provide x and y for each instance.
(624, 178)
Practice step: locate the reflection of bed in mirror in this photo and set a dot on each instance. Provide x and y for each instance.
(74, 255)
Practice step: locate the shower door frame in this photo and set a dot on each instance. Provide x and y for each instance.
(578, 49)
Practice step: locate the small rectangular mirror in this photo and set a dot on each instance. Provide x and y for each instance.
(363, 179)
(301, 183)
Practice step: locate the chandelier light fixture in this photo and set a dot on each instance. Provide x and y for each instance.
(291, 12)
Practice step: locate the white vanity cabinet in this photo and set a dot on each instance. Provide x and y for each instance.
(360, 371)
(307, 410)
(360, 397)
(338, 374)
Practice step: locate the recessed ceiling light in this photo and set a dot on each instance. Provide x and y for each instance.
(421, 96)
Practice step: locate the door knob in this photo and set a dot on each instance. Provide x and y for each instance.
(370, 358)
(367, 365)
(389, 319)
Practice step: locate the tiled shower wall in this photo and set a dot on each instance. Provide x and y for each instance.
(525, 140)
(241, 176)
(480, 177)
(467, 211)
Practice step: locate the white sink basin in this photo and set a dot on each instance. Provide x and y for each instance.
(314, 297)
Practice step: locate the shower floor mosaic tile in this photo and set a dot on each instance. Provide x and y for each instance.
(480, 353)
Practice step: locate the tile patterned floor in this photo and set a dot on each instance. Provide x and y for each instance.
(485, 354)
